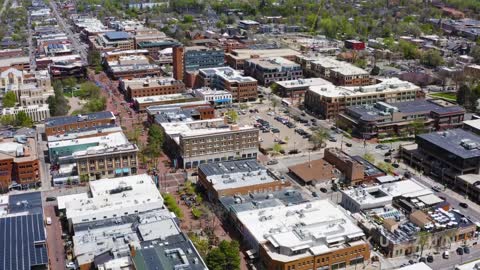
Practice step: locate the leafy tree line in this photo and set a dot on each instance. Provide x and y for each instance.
(21, 119)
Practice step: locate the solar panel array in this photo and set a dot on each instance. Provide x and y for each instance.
(22, 242)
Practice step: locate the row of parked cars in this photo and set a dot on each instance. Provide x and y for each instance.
(265, 127)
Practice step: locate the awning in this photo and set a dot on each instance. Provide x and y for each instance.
(118, 171)
(126, 170)
(223, 100)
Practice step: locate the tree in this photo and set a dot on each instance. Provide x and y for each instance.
(432, 58)
(277, 148)
(468, 97)
(418, 126)
(319, 136)
(201, 244)
(475, 53)
(274, 104)
(23, 120)
(224, 257)
(89, 90)
(423, 237)
(8, 120)
(408, 49)
(155, 136)
(369, 157)
(95, 105)
(9, 99)
(375, 71)
(232, 115)
(386, 167)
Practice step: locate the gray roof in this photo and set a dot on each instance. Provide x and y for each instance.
(173, 252)
(64, 120)
(451, 141)
(117, 35)
(370, 113)
(30, 202)
(228, 167)
(178, 114)
(369, 168)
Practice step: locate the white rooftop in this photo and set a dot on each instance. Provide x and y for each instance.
(472, 265)
(303, 82)
(110, 140)
(240, 179)
(113, 197)
(389, 85)
(341, 67)
(407, 188)
(160, 98)
(475, 124)
(417, 266)
(318, 226)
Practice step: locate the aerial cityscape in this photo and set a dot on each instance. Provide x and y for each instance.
(239, 134)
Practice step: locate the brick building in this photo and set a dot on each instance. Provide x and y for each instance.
(64, 124)
(18, 162)
(352, 170)
(156, 86)
(242, 88)
(273, 69)
(328, 101)
(239, 177)
(191, 59)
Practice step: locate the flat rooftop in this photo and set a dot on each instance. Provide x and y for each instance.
(66, 120)
(226, 73)
(273, 62)
(142, 83)
(315, 170)
(179, 114)
(341, 67)
(109, 140)
(303, 83)
(459, 142)
(118, 35)
(20, 149)
(236, 174)
(248, 53)
(112, 197)
(474, 124)
(378, 110)
(389, 85)
(159, 98)
(315, 226)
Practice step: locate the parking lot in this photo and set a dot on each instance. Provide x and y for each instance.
(275, 131)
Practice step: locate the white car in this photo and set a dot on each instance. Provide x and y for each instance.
(271, 113)
(71, 265)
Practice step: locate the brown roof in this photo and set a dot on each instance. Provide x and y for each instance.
(419, 218)
(314, 170)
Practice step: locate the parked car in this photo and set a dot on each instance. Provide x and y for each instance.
(446, 254)
(48, 221)
(429, 258)
(388, 160)
(460, 251)
(348, 144)
(324, 190)
(272, 162)
(463, 205)
(275, 130)
(437, 188)
(294, 151)
(314, 194)
(466, 250)
(50, 199)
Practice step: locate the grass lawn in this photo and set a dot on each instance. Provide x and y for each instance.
(446, 95)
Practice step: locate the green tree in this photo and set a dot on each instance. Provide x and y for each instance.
(423, 237)
(468, 97)
(200, 244)
(23, 120)
(224, 257)
(172, 205)
(277, 148)
(69, 82)
(475, 53)
(369, 157)
(274, 104)
(156, 136)
(418, 126)
(375, 71)
(319, 136)
(408, 49)
(9, 99)
(8, 120)
(232, 115)
(386, 167)
(95, 105)
(432, 58)
(89, 90)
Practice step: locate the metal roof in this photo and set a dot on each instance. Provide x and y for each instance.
(451, 141)
(64, 120)
(229, 167)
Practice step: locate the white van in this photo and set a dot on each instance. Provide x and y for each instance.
(49, 220)
(446, 254)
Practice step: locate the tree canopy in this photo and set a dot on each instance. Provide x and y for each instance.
(224, 257)
(9, 99)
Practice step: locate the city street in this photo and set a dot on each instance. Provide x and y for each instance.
(56, 249)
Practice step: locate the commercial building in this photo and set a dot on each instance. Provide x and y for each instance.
(236, 59)
(328, 101)
(472, 71)
(387, 119)
(273, 69)
(297, 88)
(19, 163)
(93, 158)
(352, 170)
(110, 41)
(65, 124)
(191, 143)
(444, 154)
(240, 177)
(248, 25)
(142, 103)
(214, 96)
(469, 184)
(242, 88)
(181, 112)
(122, 223)
(313, 235)
(313, 172)
(354, 45)
(338, 72)
(37, 113)
(153, 86)
(22, 232)
(132, 66)
(60, 68)
(191, 59)
(472, 126)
